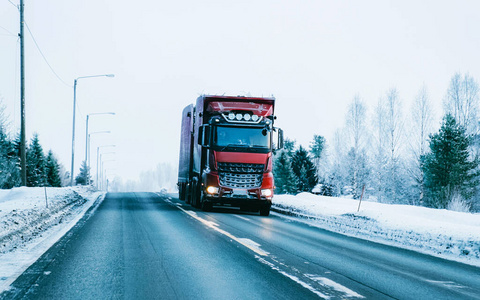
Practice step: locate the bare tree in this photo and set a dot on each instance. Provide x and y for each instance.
(357, 136)
(379, 150)
(461, 101)
(387, 146)
(421, 125)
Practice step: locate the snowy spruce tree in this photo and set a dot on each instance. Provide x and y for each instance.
(84, 176)
(36, 172)
(304, 169)
(9, 167)
(450, 173)
(285, 180)
(52, 171)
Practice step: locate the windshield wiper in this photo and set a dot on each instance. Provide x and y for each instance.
(233, 146)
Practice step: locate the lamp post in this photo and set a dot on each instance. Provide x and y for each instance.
(87, 136)
(103, 171)
(73, 129)
(88, 151)
(98, 157)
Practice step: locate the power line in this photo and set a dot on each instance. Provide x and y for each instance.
(10, 33)
(13, 4)
(44, 58)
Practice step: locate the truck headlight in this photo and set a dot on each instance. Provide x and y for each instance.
(212, 190)
(267, 193)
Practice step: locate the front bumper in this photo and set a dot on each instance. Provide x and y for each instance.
(238, 196)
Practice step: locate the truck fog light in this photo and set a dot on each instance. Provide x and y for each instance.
(212, 190)
(267, 193)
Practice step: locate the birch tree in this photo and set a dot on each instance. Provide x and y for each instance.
(461, 102)
(421, 126)
(357, 138)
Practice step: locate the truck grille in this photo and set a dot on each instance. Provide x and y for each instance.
(246, 181)
(239, 175)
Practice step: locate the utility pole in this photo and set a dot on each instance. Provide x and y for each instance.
(23, 156)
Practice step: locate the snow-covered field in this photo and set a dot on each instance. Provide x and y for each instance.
(28, 227)
(447, 234)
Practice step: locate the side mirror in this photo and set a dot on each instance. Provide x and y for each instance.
(204, 135)
(277, 139)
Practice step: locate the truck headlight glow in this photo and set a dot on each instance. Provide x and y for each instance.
(246, 117)
(254, 118)
(212, 190)
(239, 117)
(231, 116)
(267, 193)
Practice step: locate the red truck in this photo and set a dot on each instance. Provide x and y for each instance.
(226, 148)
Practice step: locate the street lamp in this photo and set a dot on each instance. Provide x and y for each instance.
(98, 156)
(87, 136)
(74, 106)
(88, 151)
(88, 140)
(103, 171)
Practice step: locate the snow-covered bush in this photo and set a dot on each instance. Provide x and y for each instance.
(457, 203)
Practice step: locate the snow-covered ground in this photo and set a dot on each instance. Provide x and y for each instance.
(447, 234)
(28, 227)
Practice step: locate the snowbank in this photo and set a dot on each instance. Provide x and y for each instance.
(447, 234)
(28, 227)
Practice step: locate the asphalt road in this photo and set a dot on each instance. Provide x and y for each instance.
(146, 246)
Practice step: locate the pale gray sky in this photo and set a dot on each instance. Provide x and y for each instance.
(313, 56)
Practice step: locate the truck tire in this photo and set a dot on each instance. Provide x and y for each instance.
(181, 191)
(265, 211)
(188, 194)
(196, 195)
(206, 206)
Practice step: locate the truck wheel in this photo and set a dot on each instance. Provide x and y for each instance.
(206, 206)
(181, 191)
(196, 195)
(265, 211)
(188, 194)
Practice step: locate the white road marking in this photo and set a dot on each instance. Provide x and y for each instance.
(255, 247)
(448, 284)
(292, 277)
(243, 218)
(336, 286)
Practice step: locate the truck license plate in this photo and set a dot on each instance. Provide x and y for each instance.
(239, 193)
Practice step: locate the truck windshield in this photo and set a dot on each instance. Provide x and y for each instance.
(241, 137)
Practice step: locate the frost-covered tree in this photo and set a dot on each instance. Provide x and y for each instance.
(358, 172)
(420, 127)
(449, 171)
(337, 174)
(84, 176)
(379, 151)
(285, 180)
(318, 153)
(52, 171)
(307, 179)
(36, 172)
(461, 102)
(317, 147)
(356, 134)
(289, 146)
(9, 169)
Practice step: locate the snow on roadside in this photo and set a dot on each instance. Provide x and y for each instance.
(447, 234)
(28, 228)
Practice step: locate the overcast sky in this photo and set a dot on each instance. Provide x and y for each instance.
(313, 56)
